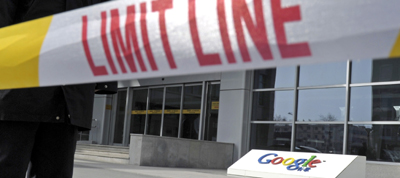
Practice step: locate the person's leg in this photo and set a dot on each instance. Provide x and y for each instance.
(54, 149)
(16, 142)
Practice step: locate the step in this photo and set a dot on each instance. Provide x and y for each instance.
(103, 153)
(102, 147)
(102, 159)
(104, 150)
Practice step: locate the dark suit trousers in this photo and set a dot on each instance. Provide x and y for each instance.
(49, 146)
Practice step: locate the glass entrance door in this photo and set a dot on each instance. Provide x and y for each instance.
(212, 108)
(191, 111)
(155, 111)
(180, 111)
(172, 111)
(118, 123)
(138, 113)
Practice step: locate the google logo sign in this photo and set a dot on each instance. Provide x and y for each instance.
(291, 163)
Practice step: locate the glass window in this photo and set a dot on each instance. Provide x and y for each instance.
(211, 119)
(376, 142)
(271, 136)
(375, 103)
(361, 71)
(120, 117)
(321, 109)
(319, 138)
(321, 104)
(83, 135)
(273, 106)
(365, 71)
(138, 113)
(155, 111)
(191, 112)
(323, 74)
(275, 78)
(172, 111)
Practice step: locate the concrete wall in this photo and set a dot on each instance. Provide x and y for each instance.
(147, 150)
(233, 116)
(386, 170)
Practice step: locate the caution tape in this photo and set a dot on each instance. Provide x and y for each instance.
(166, 111)
(122, 40)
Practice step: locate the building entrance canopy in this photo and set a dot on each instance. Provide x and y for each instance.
(128, 39)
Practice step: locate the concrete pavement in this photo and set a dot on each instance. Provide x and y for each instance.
(92, 169)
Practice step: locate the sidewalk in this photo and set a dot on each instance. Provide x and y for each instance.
(92, 169)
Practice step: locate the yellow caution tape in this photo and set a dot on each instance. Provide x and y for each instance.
(167, 111)
(191, 111)
(19, 53)
(172, 111)
(396, 48)
(138, 112)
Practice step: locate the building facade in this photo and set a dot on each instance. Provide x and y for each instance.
(349, 107)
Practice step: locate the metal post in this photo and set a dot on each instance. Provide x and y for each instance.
(200, 136)
(296, 93)
(125, 135)
(347, 106)
(162, 112)
(113, 118)
(250, 107)
(180, 113)
(147, 115)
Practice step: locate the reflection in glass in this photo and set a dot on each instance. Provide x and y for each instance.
(138, 117)
(275, 78)
(320, 138)
(191, 112)
(172, 111)
(271, 136)
(120, 117)
(361, 71)
(273, 106)
(377, 142)
(365, 71)
(83, 135)
(375, 103)
(211, 119)
(322, 104)
(323, 74)
(154, 124)
(155, 111)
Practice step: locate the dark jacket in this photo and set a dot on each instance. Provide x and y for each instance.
(73, 103)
